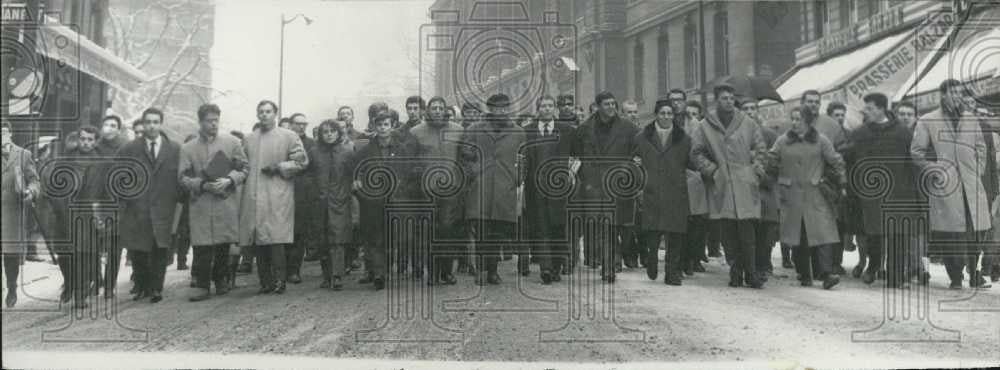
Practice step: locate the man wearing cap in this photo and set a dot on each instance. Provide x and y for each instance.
(492, 160)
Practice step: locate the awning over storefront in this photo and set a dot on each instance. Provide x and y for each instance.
(61, 43)
(835, 72)
(881, 66)
(973, 57)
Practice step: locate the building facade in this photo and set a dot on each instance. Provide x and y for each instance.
(56, 68)
(637, 49)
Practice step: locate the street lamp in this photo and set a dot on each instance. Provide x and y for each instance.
(281, 67)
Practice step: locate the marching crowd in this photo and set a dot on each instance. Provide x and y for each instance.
(696, 181)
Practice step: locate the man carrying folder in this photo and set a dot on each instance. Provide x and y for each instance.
(211, 169)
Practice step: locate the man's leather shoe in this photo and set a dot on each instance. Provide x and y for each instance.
(556, 278)
(447, 279)
(689, 270)
(156, 297)
(672, 279)
(978, 281)
(868, 277)
(831, 281)
(201, 297)
(493, 278)
(697, 267)
(11, 299)
(280, 288)
(266, 289)
(379, 283)
(336, 284)
(140, 296)
(294, 279)
(955, 285)
(221, 288)
(546, 277)
(858, 270)
(839, 270)
(652, 271)
(735, 278)
(325, 284)
(805, 282)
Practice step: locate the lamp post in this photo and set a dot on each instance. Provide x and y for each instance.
(281, 66)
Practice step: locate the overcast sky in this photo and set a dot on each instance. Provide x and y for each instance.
(352, 47)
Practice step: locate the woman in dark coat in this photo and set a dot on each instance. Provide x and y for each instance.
(663, 149)
(329, 166)
(801, 157)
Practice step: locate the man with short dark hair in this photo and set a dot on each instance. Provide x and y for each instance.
(112, 137)
(547, 139)
(694, 109)
(471, 113)
(213, 199)
(957, 218)
(305, 202)
(906, 114)
(435, 140)
(267, 210)
(567, 109)
(600, 144)
(728, 149)
(414, 111)
(767, 228)
(147, 220)
(884, 140)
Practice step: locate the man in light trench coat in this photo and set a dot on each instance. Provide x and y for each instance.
(267, 210)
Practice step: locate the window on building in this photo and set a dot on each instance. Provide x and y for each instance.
(820, 18)
(721, 26)
(663, 62)
(847, 13)
(690, 52)
(638, 55)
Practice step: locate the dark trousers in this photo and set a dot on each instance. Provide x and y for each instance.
(956, 251)
(111, 267)
(740, 243)
(804, 255)
(890, 249)
(713, 237)
(554, 253)
(376, 250)
(766, 233)
(631, 247)
(11, 269)
(150, 268)
(182, 252)
(331, 260)
(440, 262)
(293, 258)
(676, 250)
(78, 270)
(211, 263)
(270, 264)
(694, 240)
(495, 236)
(606, 242)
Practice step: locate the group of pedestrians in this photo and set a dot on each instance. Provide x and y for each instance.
(540, 188)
